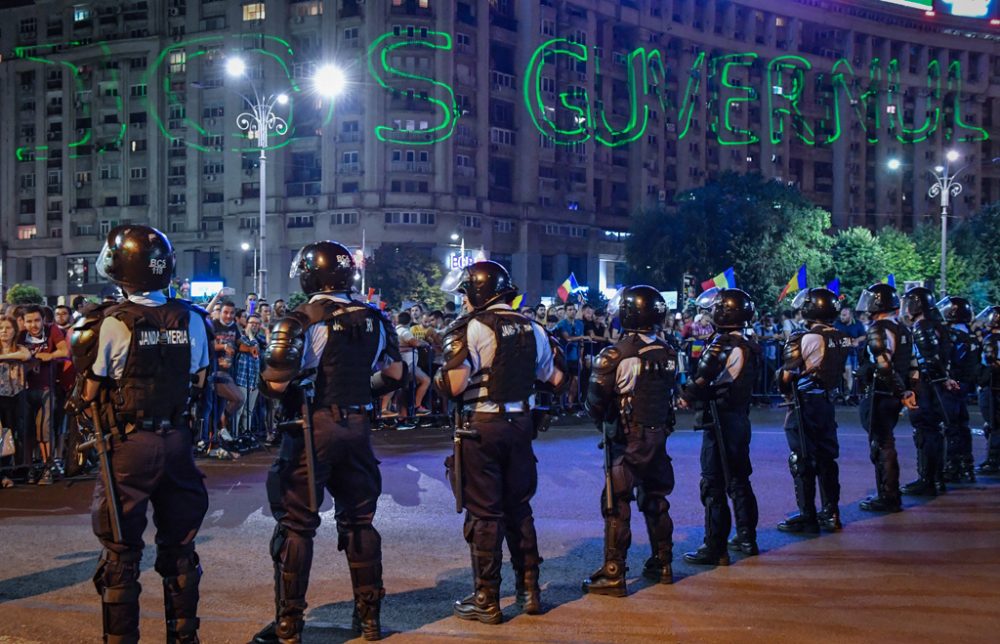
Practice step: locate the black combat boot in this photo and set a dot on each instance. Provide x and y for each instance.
(968, 470)
(804, 521)
(952, 472)
(292, 555)
(366, 580)
(483, 604)
(744, 541)
(707, 555)
(528, 592)
(923, 485)
(992, 463)
(609, 579)
(829, 518)
(660, 529)
(877, 503)
(717, 523)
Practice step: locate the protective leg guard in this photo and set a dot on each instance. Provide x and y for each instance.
(178, 565)
(292, 555)
(483, 605)
(522, 541)
(366, 580)
(744, 507)
(804, 482)
(717, 525)
(923, 485)
(660, 528)
(117, 581)
(609, 579)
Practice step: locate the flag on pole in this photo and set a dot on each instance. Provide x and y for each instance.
(568, 286)
(371, 293)
(834, 286)
(890, 280)
(796, 284)
(725, 279)
(516, 304)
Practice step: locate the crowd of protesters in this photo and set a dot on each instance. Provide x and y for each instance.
(37, 375)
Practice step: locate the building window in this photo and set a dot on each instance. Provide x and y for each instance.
(137, 173)
(548, 267)
(470, 221)
(113, 171)
(411, 218)
(81, 14)
(349, 187)
(253, 11)
(27, 232)
(178, 61)
(503, 226)
(106, 225)
(344, 218)
(137, 200)
(300, 221)
(84, 230)
(213, 167)
(137, 90)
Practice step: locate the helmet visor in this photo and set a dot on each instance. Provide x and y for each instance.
(296, 268)
(988, 317)
(866, 301)
(800, 299)
(103, 262)
(707, 299)
(615, 303)
(455, 280)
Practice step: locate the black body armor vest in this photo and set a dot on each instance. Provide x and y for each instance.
(511, 377)
(964, 357)
(991, 360)
(836, 346)
(345, 368)
(156, 380)
(933, 346)
(651, 399)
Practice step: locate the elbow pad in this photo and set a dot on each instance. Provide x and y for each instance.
(283, 356)
(456, 352)
(601, 390)
(382, 384)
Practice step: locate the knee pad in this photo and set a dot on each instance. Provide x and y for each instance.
(357, 538)
(796, 465)
(117, 569)
(654, 505)
(711, 491)
(289, 548)
(172, 561)
(874, 449)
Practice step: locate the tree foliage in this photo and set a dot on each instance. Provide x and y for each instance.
(24, 294)
(403, 273)
(975, 240)
(899, 252)
(859, 260)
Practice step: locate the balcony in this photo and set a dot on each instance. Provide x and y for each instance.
(465, 171)
(410, 104)
(502, 82)
(349, 137)
(302, 189)
(503, 21)
(412, 8)
(349, 168)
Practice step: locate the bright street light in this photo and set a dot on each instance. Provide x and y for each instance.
(245, 246)
(952, 155)
(235, 67)
(894, 164)
(329, 80)
(939, 169)
(454, 237)
(282, 99)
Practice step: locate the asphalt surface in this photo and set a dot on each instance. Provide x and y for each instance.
(928, 574)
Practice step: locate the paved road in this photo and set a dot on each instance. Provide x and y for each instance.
(929, 574)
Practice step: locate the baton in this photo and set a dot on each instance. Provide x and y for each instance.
(99, 442)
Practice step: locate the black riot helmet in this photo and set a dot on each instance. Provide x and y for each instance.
(483, 283)
(323, 267)
(732, 309)
(138, 258)
(989, 318)
(640, 308)
(955, 310)
(878, 298)
(705, 301)
(920, 301)
(817, 305)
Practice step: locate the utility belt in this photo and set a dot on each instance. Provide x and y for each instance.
(486, 416)
(149, 425)
(343, 412)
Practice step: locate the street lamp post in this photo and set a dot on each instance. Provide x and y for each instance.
(258, 120)
(945, 187)
(246, 246)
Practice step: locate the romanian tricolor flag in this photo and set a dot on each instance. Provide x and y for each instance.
(796, 284)
(834, 286)
(516, 304)
(568, 286)
(890, 280)
(725, 279)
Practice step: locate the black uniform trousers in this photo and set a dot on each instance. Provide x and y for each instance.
(879, 415)
(639, 462)
(347, 468)
(498, 482)
(151, 467)
(818, 461)
(989, 405)
(957, 433)
(928, 422)
(735, 423)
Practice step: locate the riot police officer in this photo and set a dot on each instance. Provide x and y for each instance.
(963, 365)
(812, 369)
(145, 359)
(989, 391)
(631, 398)
(330, 357)
(493, 357)
(932, 346)
(885, 372)
(724, 380)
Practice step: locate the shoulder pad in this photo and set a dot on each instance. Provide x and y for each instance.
(312, 312)
(458, 323)
(455, 347)
(607, 360)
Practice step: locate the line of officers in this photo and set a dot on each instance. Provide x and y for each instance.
(144, 363)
